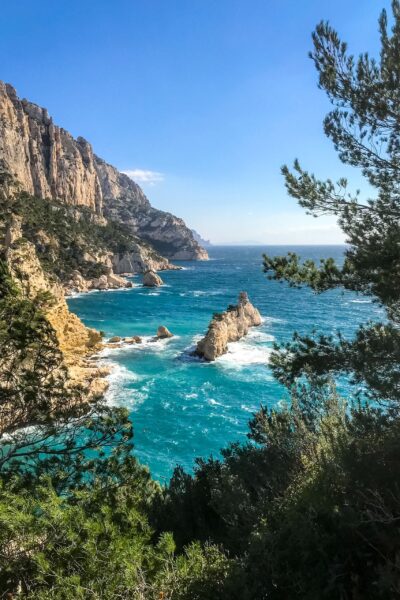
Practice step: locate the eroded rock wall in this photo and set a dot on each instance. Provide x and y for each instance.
(76, 341)
(48, 162)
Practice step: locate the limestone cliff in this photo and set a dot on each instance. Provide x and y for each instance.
(48, 162)
(229, 326)
(125, 201)
(76, 341)
(45, 159)
(140, 258)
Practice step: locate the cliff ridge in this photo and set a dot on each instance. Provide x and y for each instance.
(48, 162)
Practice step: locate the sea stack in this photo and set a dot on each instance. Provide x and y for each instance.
(228, 326)
(163, 332)
(151, 279)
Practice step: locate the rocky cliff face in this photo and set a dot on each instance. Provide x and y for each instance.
(125, 201)
(76, 341)
(48, 162)
(229, 326)
(43, 158)
(140, 260)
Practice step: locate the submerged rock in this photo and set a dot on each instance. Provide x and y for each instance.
(229, 326)
(163, 332)
(151, 279)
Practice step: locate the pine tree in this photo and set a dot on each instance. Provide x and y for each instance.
(364, 126)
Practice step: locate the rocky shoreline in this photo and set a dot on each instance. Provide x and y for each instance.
(81, 345)
(77, 342)
(77, 284)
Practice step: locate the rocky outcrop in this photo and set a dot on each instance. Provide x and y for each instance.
(76, 341)
(48, 162)
(151, 279)
(118, 342)
(229, 326)
(45, 159)
(108, 281)
(142, 258)
(163, 333)
(200, 240)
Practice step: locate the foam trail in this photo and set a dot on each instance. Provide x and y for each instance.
(242, 354)
(118, 393)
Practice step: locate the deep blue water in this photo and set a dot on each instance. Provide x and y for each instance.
(181, 407)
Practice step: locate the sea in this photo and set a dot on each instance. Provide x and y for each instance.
(181, 407)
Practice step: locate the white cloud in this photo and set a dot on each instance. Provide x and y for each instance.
(144, 176)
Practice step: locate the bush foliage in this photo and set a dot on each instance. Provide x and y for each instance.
(309, 508)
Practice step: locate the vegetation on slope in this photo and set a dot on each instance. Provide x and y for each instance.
(74, 502)
(310, 507)
(67, 238)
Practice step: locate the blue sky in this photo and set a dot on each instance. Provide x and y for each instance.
(203, 100)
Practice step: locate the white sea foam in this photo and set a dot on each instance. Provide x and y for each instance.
(214, 402)
(243, 353)
(249, 409)
(260, 336)
(81, 294)
(124, 289)
(361, 301)
(272, 320)
(196, 338)
(118, 393)
(200, 293)
(148, 343)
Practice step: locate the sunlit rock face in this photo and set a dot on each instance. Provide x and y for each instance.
(151, 279)
(48, 162)
(76, 341)
(229, 326)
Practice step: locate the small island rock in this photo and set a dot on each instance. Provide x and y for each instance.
(151, 279)
(228, 326)
(163, 332)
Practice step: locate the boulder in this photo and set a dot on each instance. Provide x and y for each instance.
(133, 340)
(115, 340)
(151, 279)
(229, 326)
(115, 281)
(13, 231)
(100, 283)
(163, 332)
(109, 281)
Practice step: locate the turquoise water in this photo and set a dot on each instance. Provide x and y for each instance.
(182, 407)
